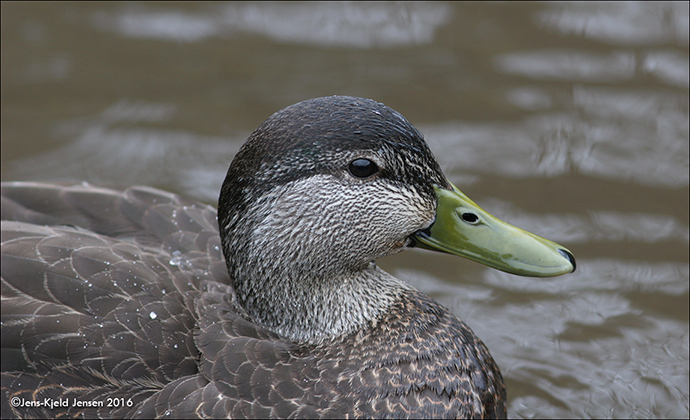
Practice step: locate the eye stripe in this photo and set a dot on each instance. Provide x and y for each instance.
(363, 168)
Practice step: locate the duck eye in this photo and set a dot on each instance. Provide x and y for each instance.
(363, 168)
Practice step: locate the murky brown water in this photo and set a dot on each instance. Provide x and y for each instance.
(570, 120)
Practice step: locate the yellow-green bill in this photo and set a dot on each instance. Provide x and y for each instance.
(465, 229)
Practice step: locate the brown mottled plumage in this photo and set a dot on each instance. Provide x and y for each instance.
(126, 295)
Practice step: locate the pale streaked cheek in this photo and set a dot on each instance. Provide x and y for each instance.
(323, 214)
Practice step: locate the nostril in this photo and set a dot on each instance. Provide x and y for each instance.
(569, 256)
(470, 217)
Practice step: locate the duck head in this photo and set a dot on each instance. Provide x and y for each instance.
(325, 187)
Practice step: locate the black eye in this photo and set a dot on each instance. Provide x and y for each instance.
(362, 168)
(470, 218)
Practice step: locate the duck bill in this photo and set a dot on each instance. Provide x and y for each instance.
(465, 229)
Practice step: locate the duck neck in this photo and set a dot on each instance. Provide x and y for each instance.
(300, 268)
(309, 309)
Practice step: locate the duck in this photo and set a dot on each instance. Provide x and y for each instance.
(138, 303)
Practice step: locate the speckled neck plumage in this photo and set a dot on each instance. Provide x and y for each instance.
(298, 264)
(300, 233)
